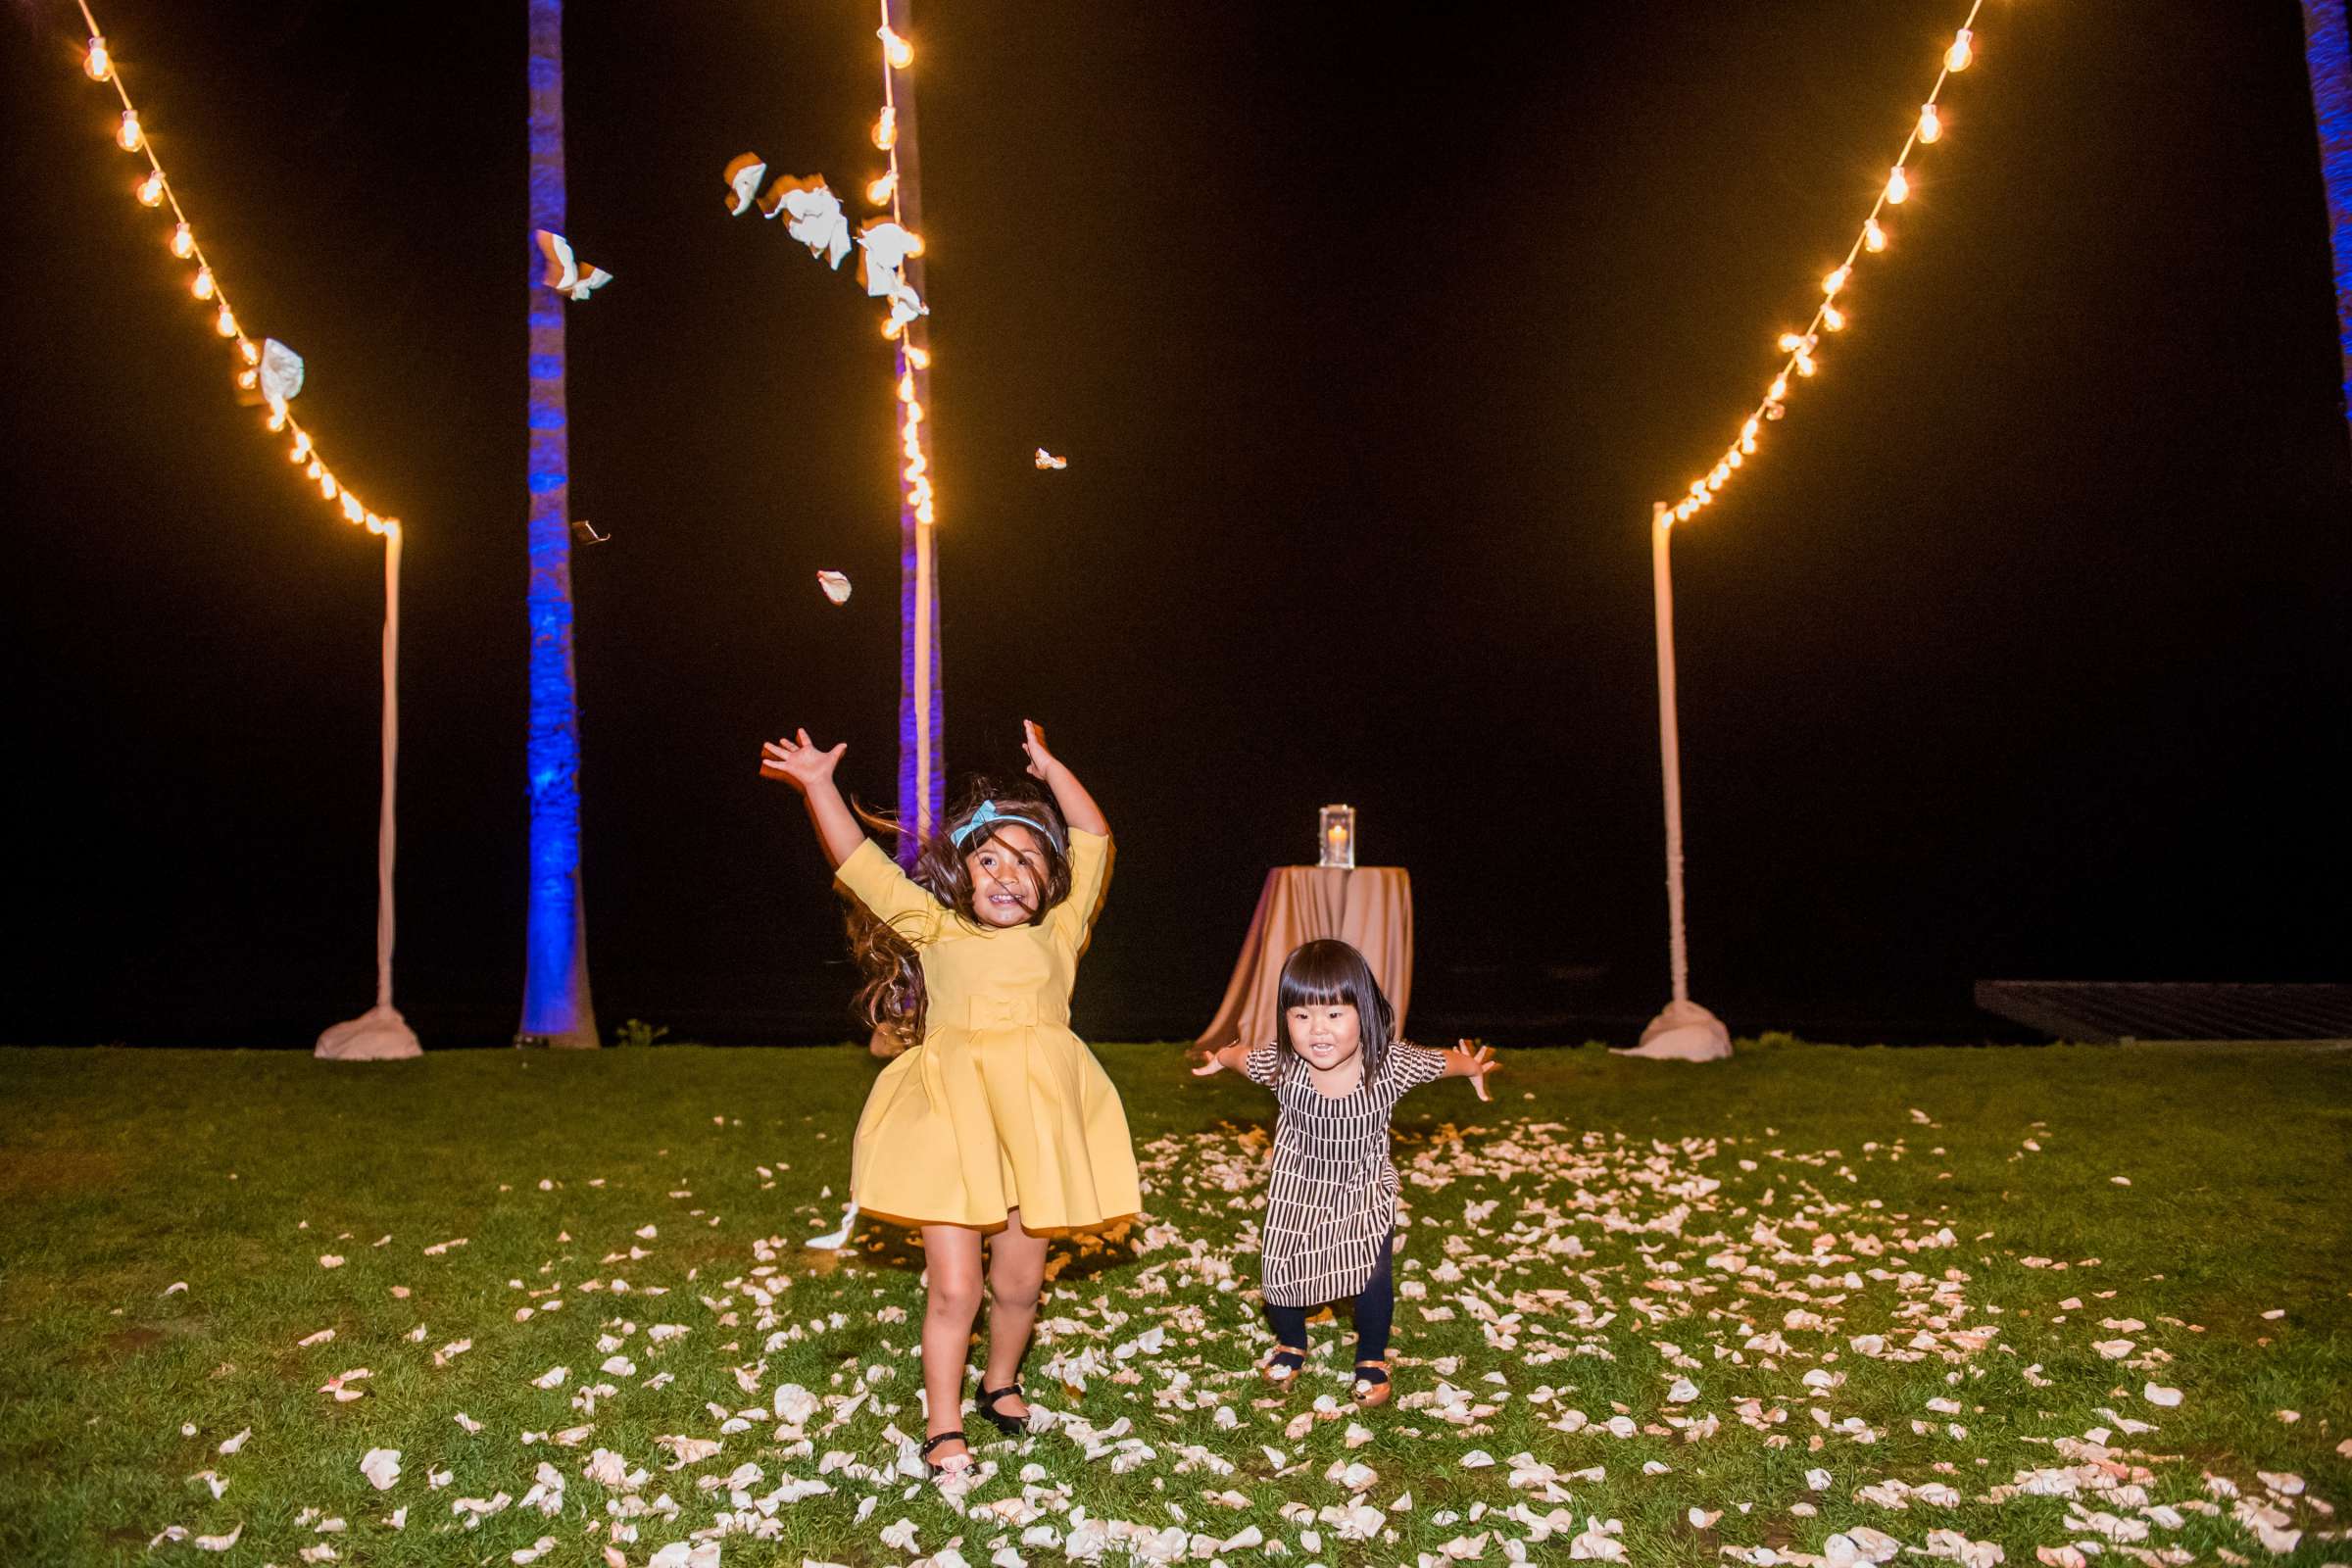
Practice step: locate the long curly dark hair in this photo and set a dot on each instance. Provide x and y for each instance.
(890, 991)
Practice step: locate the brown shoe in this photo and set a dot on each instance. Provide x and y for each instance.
(1281, 1369)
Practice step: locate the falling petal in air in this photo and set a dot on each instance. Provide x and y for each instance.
(744, 174)
(564, 273)
(585, 532)
(837, 589)
(1046, 460)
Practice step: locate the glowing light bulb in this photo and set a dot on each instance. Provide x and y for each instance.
(880, 191)
(890, 327)
(1931, 124)
(1747, 432)
(1898, 187)
(1874, 238)
(1749, 446)
(1805, 364)
(326, 486)
(98, 62)
(316, 470)
(886, 128)
(353, 511)
(1778, 390)
(915, 244)
(920, 359)
(128, 135)
(1830, 284)
(1722, 474)
(375, 524)
(894, 49)
(251, 350)
(225, 324)
(1791, 342)
(1732, 458)
(906, 387)
(183, 241)
(278, 419)
(301, 448)
(151, 189)
(202, 286)
(1962, 51)
(1833, 317)
(248, 379)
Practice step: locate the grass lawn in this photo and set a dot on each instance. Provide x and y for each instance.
(1810, 1304)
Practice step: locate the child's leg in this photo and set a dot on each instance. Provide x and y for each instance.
(1289, 1324)
(952, 1257)
(1375, 1311)
(1016, 1274)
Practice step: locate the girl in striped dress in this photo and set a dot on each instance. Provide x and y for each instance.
(1331, 1194)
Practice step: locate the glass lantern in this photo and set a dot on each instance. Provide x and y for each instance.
(1336, 839)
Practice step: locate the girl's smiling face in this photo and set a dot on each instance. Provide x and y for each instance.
(1327, 1034)
(1008, 871)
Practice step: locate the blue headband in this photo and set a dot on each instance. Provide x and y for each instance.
(988, 816)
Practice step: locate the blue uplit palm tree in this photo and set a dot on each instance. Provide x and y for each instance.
(2328, 53)
(556, 1008)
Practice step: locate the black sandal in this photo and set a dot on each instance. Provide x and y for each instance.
(1012, 1426)
(949, 1467)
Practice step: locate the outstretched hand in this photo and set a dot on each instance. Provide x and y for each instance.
(1033, 741)
(799, 761)
(1473, 1061)
(1216, 1064)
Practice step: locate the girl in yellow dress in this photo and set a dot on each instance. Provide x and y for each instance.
(1000, 1123)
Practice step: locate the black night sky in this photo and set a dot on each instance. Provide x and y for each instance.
(2020, 653)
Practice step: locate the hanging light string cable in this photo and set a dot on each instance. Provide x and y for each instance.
(1802, 347)
(156, 190)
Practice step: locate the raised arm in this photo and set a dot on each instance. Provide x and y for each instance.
(1078, 809)
(806, 769)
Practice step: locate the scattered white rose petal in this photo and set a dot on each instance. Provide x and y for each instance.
(382, 1467)
(2158, 1393)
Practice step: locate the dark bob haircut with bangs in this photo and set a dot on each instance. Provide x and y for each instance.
(1323, 972)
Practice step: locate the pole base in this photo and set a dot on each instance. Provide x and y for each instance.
(379, 1034)
(1684, 1032)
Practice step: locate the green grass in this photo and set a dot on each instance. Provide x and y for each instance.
(1644, 1221)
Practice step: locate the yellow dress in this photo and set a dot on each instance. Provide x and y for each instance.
(1001, 1106)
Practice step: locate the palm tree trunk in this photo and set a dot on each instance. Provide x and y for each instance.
(922, 749)
(2328, 53)
(556, 1007)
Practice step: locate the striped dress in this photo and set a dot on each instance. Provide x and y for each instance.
(1331, 1194)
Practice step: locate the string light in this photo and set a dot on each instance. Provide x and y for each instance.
(886, 191)
(154, 191)
(1800, 348)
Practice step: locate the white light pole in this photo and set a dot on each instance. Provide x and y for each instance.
(1684, 1031)
(381, 1034)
